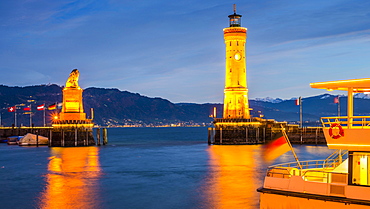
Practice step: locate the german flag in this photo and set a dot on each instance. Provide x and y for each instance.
(275, 148)
(52, 107)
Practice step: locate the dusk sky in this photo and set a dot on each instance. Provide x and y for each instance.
(175, 49)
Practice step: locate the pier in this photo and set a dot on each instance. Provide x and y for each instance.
(60, 137)
(71, 136)
(21, 131)
(261, 134)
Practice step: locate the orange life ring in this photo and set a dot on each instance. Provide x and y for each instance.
(341, 131)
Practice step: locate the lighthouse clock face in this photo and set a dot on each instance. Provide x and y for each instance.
(237, 56)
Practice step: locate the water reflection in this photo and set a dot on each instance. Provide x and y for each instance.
(235, 174)
(72, 178)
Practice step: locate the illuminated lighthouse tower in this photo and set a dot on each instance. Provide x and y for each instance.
(236, 104)
(236, 126)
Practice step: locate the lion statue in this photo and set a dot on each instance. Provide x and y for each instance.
(73, 79)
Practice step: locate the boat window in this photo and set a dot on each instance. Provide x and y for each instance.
(360, 168)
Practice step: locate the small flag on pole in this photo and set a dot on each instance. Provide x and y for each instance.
(27, 108)
(41, 107)
(298, 101)
(336, 100)
(275, 148)
(11, 109)
(52, 107)
(59, 105)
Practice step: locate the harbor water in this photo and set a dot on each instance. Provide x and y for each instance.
(139, 168)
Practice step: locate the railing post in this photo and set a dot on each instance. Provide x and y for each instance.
(76, 136)
(62, 137)
(350, 107)
(86, 141)
(209, 136)
(220, 135)
(246, 134)
(105, 136)
(50, 137)
(98, 135)
(37, 138)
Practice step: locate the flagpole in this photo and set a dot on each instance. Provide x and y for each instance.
(44, 117)
(338, 107)
(15, 116)
(300, 111)
(30, 115)
(290, 145)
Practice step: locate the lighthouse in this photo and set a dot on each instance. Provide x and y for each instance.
(236, 105)
(236, 126)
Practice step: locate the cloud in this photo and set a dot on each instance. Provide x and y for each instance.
(175, 49)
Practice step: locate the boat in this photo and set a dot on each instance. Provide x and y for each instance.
(32, 140)
(340, 181)
(13, 140)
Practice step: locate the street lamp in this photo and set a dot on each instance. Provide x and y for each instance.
(15, 113)
(30, 101)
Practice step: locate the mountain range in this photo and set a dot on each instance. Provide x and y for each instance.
(115, 107)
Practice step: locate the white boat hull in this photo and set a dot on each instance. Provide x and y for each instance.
(286, 201)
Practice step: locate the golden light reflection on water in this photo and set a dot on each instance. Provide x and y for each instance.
(72, 178)
(234, 176)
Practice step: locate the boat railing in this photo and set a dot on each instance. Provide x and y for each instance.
(279, 172)
(286, 169)
(312, 170)
(347, 122)
(336, 158)
(308, 164)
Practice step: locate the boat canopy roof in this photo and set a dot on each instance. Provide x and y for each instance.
(357, 85)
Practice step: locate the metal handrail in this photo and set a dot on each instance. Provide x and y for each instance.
(283, 172)
(344, 121)
(309, 164)
(335, 158)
